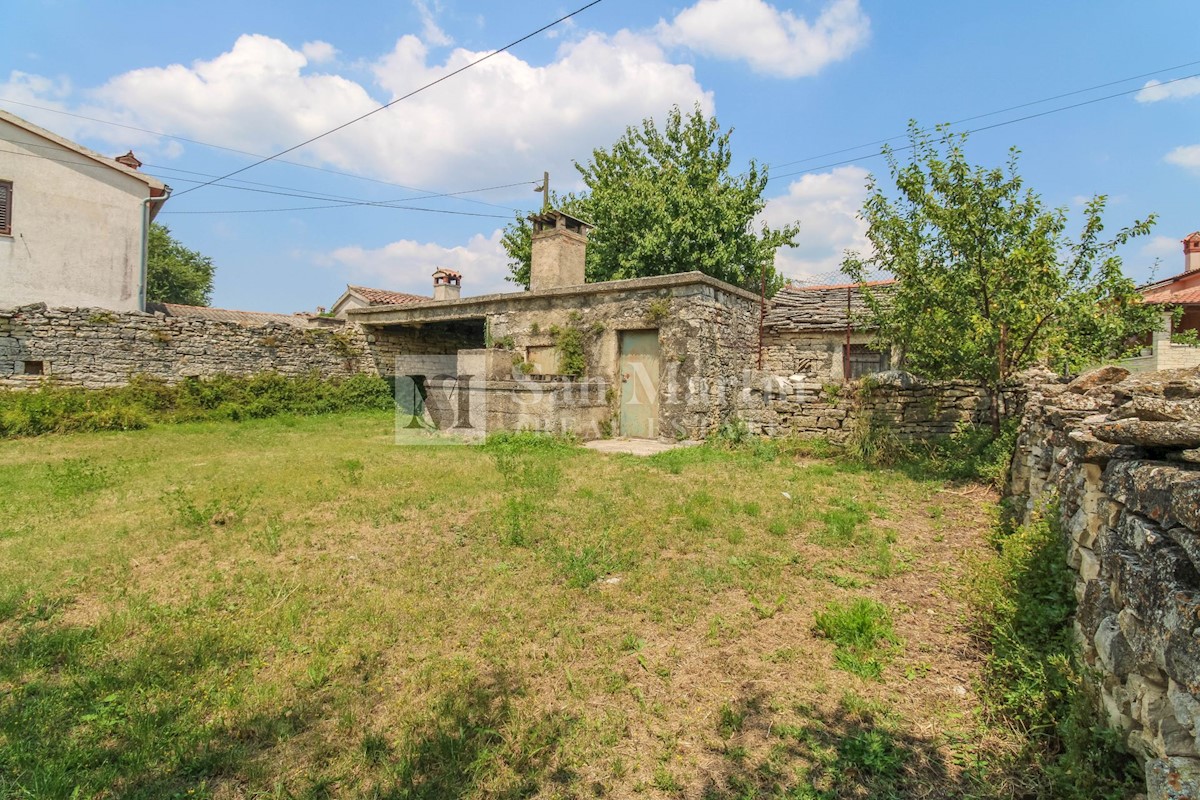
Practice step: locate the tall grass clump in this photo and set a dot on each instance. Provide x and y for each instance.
(1022, 601)
(862, 633)
(145, 401)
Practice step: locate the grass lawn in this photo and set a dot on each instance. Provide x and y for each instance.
(300, 608)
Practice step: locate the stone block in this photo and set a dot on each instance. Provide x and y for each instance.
(1173, 779)
(1114, 652)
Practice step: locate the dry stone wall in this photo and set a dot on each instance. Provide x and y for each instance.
(913, 408)
(1117, 458)
(95, 348)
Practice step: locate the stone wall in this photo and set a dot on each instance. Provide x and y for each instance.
(95, 348)
(912, 408)
(1118, 459)
(707, 336)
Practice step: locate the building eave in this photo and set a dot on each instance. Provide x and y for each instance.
(475, 307)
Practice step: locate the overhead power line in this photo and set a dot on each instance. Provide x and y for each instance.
(402, 98)
(998, 111)
(300, 164)
(979, 129)
(348, 202)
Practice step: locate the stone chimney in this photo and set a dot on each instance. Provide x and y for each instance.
(1191, 252)
(447, 284)
(129, 160)
(558, 247)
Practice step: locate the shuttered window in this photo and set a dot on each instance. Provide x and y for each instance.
(6, 207)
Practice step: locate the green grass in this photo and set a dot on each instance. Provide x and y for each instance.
(862, 633)
(297, 607)
(1022, 600)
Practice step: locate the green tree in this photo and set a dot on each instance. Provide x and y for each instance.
(664, 201)
(175, 274)
(988, 281)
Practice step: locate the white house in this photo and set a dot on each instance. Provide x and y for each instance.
(73, 223)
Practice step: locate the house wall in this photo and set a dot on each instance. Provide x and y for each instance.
(76, 227)
(707, 336)
(1164, 354)
(817, 356)
(97, 348)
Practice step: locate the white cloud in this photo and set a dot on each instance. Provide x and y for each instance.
(318, 52)
(1187, 156)
(827, 205)
(1161, 247)
(407, 265)
(771, 41)
(431, 33)
(502, 121)
(1154, 91)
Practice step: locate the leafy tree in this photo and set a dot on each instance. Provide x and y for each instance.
(175, 274)
(989, 283)
(664, 201)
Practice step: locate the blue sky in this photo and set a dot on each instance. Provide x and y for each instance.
(795, 80)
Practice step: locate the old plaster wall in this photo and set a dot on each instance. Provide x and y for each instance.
(96, 348)
(1117, 458)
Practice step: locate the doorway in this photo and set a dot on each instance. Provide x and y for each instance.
(639, 365)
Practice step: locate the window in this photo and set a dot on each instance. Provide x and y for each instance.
(6, 193)
(33, 368)
(865, 361)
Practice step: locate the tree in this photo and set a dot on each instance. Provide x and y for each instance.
(175, 274)
(988, 282)
(665, 202)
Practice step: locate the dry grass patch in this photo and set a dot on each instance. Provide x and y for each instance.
(299, 608)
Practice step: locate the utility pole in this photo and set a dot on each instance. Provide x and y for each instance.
(545, 190)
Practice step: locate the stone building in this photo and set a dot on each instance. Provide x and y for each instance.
(821, 333)
(647, 357)
(73, 223)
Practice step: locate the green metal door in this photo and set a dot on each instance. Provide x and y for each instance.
(639, 384)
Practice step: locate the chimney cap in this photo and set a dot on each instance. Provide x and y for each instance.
(551, 219)
(129, 160)
(441, 276)
(1192, 238)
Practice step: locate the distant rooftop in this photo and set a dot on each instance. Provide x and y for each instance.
(385, 297)
(829, 307)
(251, 319)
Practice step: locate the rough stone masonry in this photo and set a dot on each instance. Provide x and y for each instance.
(1118, 456)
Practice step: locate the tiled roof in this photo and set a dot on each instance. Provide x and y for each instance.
(250, 319)
(383, 297)
(450, 272)
(821, 308)
(1167, 296)
(1183, 288)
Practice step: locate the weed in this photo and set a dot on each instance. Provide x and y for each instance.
(1022, 602)
(767, 610)
(350, 470)
(77, 476)
(658, 310)
(862, 634)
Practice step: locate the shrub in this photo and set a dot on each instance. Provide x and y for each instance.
(145, 401)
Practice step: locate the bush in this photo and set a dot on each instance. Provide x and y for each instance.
(145, 401)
